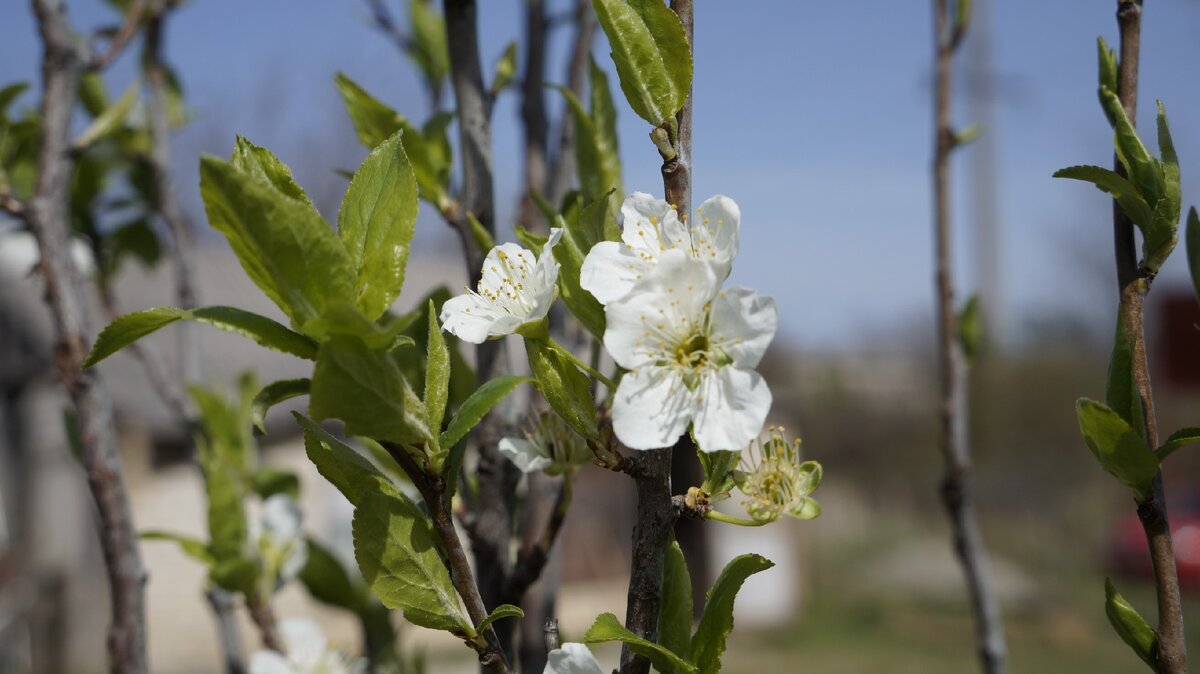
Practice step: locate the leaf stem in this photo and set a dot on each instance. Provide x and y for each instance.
(718, 516)
(578, 362)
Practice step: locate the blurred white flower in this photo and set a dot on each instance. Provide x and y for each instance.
(651, 228)
(513, 290)
(307, 653)
(282, 540)
(19, 255)
(549, 444)
(572, 658)
(690, 349)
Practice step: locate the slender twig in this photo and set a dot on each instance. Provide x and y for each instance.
(123, 36)
(956, 483)
(63, 63)
(221, 603)
(533, 557)
(433, 490)
(259, 608)
(562, 165)
(1133, 285)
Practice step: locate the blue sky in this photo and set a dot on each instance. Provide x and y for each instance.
(815, 117)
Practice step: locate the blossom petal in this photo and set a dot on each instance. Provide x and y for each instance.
(572, 658)
(503, 263)
(743, 324)
(715, 233)
(281, 518)
(304, 641)
(732, 406)
(270, 662)
(472, 318)
(651, 225)
(652, 408)
(610, 270)
(524, 455)
(661, 312)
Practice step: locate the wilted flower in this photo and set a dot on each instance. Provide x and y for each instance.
(572, 658)
(513, 290)
(549, 445)
(776, 482)
(651, 228)
(282, 541)
(690, 349)
(307, 653)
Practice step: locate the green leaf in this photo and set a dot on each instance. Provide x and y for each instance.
(225, 495)
(483, 238)
(375, 122)
(328, 581)
(1130, 625)
(531, 240)
(262, 165)
(708, 643)
(608, 628)
(284, 245)
(111, 119)
(596, 164)
(970, 328)
(578, 238)
(398, 555)
(267, 482)
(1193, 249)
(131, 327)
(477, 406)
(563, 386)
(236, 574)
(1120, 390)
(604, 121)
(191, 546)
(344, 468)
(501, 611)
(1161, 234)
(428, 48)
(377, 221)
(1117, 446)
(272, 394)
(364, 389)
(506, 69)
(1108, 67)
(1113, 184)
(718, 471)
(437, 374)
(1142, 168)
(347, 320)
(1178, 440)
(10, 93)
(675, 617)
(652, 55)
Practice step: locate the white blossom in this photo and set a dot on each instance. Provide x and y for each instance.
(282, 539)
(549, 444)
(308, 652)
(572, 658)
(513, 290)
(691, 349)
(652, 227)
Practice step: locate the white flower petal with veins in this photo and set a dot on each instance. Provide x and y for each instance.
(513, 290)
(651, 228)
(524, 454)
(690, 349)
(572, 658)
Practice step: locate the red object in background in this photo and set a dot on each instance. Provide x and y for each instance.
(1129, 555)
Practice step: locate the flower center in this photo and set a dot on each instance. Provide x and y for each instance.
(693, 353)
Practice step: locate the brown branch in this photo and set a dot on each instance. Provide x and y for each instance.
(956, 482)
(63, 63)
(1133, 285)
(562, 164)
(263, 616)
(533, 557)
(433, 491)
(533, 111)
(124, 35)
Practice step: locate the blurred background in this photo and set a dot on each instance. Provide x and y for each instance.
(816, 118)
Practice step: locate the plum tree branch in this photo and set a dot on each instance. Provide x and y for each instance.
(956, 492)
(64, 59)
